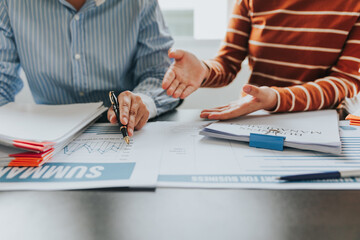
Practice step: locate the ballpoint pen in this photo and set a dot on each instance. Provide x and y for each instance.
(115, 104)
(321, 175)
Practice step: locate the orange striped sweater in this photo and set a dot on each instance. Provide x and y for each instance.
(308, 51)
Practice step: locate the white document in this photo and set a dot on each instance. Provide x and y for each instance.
(98, 158)
(191, 160)
(50, 123)
(316, 130)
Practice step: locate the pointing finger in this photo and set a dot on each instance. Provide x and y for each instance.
(124, 104)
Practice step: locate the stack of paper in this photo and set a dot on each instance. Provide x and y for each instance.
(41, 129)
(318, 130)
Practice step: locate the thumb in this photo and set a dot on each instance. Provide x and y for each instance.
(176, 54)
(252, 90)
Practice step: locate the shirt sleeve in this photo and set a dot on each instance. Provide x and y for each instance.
(342, 81)
(225, 66)
(10, 82)
(149, 103)
(151, 60)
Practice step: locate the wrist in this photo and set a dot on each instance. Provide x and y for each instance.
(205, 72)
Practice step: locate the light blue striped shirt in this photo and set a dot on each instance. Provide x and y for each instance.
(75, 57)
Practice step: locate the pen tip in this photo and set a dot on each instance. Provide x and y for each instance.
(127, 139)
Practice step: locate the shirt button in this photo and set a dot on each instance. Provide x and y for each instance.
(77, 56)
(81, 94)
(77, 17)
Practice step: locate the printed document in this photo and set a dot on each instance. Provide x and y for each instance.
(316, 130)
(192, 160)
(98, 158)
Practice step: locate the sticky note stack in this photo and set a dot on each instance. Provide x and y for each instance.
(18, 158)
(354, 119)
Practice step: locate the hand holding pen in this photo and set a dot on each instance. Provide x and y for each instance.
(132, 112)
(115, 107)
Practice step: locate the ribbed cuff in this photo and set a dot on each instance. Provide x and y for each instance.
(284, 100)
(278, 101)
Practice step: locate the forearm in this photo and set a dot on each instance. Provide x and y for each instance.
(323, 93)
(152, 60)
(9, 87)
(225, 66)
(10, 82)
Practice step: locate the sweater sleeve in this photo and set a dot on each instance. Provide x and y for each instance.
(225, 66)
(342, 81)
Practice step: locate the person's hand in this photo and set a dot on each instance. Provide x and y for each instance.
(133, 112)
(258, 98)
(185, 75)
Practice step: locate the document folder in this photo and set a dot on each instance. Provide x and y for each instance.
(40, 130)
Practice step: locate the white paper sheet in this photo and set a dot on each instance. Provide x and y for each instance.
(99, 158)
(191, 160)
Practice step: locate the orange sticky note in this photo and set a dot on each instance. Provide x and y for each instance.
(352, 117)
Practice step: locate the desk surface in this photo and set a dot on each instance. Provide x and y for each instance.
(180, 213)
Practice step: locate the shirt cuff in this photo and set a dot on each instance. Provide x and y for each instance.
(3, 101)
(149, 103)
(278, 101)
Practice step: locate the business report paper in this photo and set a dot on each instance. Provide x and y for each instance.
(315, 130)
(191, 160)
(98, 158)
(173, 154)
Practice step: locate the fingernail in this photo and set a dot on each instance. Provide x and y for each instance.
(112, 118)
(131, 132)
(247, 89)
(125, 120)
(172, 50)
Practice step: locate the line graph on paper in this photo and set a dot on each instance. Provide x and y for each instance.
(98, 143)
(91, 147)
(100, 147)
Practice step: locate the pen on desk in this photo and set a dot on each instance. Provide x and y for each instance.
(321, 175)
(115, 104)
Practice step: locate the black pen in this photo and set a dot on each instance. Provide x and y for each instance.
(115, 104)
(321, 175)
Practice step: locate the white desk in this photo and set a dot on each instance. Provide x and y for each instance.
(179, 214)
